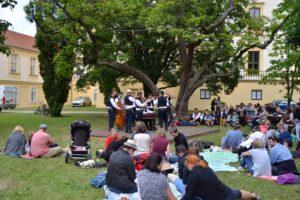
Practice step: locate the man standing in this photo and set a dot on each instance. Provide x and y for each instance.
(112, 106)
(139, 106)
(169, 108)
(42, 145)
(162, 110)
(129, 105)
(120, 172)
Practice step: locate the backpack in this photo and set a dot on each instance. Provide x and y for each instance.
(99, 180)
(288, 178)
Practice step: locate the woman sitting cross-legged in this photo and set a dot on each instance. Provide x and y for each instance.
(257, 159)
(15, 145)
(152, 183)
(204, 184)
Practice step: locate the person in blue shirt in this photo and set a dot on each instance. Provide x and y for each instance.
(233, 138)
(281, 158)
(285, 137)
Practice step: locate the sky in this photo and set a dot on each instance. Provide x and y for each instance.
(17, 18)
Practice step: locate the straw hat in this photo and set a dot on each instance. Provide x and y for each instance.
(130, 143)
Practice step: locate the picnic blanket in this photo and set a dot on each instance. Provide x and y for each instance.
(219, 161)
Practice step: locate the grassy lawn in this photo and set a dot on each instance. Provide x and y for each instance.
(68, 108)
(53, 179)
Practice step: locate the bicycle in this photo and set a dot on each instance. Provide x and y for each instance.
(42, 110)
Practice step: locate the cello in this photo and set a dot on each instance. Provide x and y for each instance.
(120, 115)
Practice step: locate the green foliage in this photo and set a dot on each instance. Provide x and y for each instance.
(5, 24)
(285, 65)
(56, 58)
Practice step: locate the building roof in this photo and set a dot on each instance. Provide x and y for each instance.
(19, 40)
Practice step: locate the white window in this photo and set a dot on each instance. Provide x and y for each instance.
(33, 95)
(95, 95)
(254, 12)
(14, 63)
(204, 94)
(256, 94)
(32, 66)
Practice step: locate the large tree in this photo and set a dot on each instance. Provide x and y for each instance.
(5, 24)
(56, 57)
(209, 37)
(285, 63)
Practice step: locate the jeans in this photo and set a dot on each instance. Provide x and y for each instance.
(128, 120)
(179, 185)
(247, 160)
(163, 118)
(111, 115)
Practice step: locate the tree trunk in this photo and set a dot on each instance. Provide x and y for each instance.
(182, 103)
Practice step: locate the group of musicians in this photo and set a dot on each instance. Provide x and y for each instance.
(123, 112)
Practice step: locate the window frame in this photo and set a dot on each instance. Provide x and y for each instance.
(33, 95)
(207, 94)
(255, 9)
(251, 62)
(14, 63)
(32, 66)
(256, 96)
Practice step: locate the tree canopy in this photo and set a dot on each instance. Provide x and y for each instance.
(5, 24)
(285, 63)
(188, 43)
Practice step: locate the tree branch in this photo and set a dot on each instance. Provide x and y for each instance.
(136, 73)
(208, 29)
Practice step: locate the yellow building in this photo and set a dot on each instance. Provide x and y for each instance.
(21, 69)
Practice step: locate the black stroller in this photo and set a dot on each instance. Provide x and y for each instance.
(79, 148)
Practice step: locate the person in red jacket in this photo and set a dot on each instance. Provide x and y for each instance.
(112, 137)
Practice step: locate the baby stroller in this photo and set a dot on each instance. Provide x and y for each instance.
(79, 148)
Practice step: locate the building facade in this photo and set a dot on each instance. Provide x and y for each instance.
(21, 69)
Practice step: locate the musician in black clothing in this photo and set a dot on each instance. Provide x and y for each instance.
(162, 110)
(151, 101)
(129, 105)
(169, 108)
(139, 106)
(112, 106)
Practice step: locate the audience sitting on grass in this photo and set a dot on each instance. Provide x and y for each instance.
(257, 159)
(179, 139)
(160, 143)
(223, 117)
(121, 175)
(112, 147)
(15, 145)
(232, 118)
(196, 117)
(142, 140)
(256, 133)
(42, 145)
(181, 152)
(284, 137)
(152, 183)
(296, 153)
(204, 184)
(112, 137)
(208, 118)
(233, 138)
(281, 158)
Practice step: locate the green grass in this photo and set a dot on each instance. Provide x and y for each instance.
(46, 178)
(53, 179)
(68, 108)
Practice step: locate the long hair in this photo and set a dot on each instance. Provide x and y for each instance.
(153, 162)
(195, 160)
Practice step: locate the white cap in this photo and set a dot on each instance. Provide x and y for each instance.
(129, 90)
